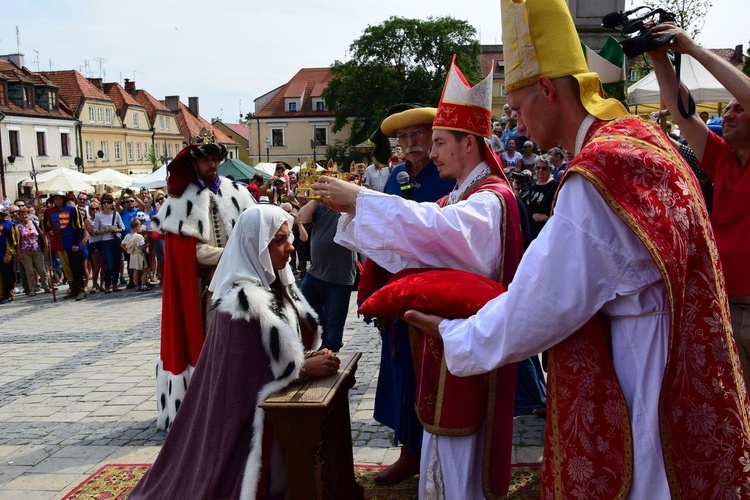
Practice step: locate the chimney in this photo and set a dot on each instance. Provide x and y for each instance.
(97, 82)
(737, 56)
(172, 102)
(193, 105)
(16, 59)
(129, 86)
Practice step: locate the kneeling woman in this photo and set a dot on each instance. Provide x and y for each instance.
(218, 446)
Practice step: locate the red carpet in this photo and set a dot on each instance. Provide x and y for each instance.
(115, 481)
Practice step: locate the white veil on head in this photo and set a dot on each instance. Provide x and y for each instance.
(246, 256)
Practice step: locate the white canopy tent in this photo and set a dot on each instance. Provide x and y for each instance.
(708, 93)
(266, 168)
(153, 180)
(113, 177)
(66, 172)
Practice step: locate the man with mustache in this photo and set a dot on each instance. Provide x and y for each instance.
(411, 125)
(465, 452)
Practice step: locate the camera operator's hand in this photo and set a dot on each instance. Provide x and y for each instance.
(680, 43)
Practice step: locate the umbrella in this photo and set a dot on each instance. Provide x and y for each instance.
(68, 173)
(153, 180)
(65, 183)
(113, 177)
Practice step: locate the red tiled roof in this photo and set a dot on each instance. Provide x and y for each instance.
(239, 129)
(74, 87)
(117, 93)
(192, 125)
(307, 83)
(151, 103)
(15, 75)
(728, 54)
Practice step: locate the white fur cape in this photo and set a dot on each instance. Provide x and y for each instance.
(283, 345)
(188, 214)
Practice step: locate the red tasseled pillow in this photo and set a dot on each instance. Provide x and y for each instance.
(444, 292)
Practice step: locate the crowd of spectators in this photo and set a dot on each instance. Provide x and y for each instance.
(36, 266)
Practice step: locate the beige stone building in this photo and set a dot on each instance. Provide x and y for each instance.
(167, 137)
(111, 133)
(292, 123)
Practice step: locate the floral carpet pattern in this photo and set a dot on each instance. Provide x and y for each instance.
(116, 481)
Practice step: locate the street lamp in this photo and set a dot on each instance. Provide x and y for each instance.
(268, 146)
(314, 145)
(3, 167)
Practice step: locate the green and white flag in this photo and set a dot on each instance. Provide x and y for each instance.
(609, 64)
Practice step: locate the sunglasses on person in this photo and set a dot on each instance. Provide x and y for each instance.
(94, 209)
(541, 168)
(160, 200)
(107, 202)
(129, 201)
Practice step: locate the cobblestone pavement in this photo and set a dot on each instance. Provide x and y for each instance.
(77, 391)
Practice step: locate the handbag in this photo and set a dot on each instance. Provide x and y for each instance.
(117, 236)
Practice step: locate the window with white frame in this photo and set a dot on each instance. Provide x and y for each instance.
(90, 150)
(52, 99)
(14, 138)
(319, 104)
(92, 114)
(41, 142)
(129, 146)
(161, 123)
(277, 137)
(138, 155)
(105, 149)
(135, 120)
(146, 151)
(321, 136)
(157, 150)
(292, 106)
(109, 115)
(65, 143)
(100, 115)
(169, 123)
(502, 90)
(169, 149)
(118, 150)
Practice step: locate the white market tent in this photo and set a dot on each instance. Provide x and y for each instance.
(63, 179)
(153, 180)
(68, 173)
(65, 183)
(113, 177)
(266, 168)
(708, 93)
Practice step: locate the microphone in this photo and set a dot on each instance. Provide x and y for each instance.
(614, 19)
(403, 180)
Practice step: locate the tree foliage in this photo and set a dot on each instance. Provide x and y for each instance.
(690, 14)
(399, 60)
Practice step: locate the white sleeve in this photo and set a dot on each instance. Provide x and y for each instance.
(584, 257)
(398, 233)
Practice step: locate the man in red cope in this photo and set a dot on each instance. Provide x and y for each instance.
(645, 394)
(197, 219)
(468, 423)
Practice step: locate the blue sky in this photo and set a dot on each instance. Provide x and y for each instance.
(229, 52)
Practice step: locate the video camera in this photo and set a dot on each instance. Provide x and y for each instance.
(523, 177)
(643, 41)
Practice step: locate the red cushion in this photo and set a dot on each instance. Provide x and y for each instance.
(448, 293)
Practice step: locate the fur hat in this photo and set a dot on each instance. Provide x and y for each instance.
(181, 168)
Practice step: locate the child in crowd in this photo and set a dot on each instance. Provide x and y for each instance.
(135, 245)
